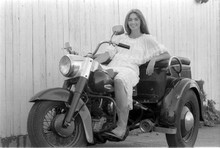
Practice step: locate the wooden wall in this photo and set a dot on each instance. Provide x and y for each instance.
(34, 31)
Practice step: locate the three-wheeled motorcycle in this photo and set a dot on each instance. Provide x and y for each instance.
(80, 112)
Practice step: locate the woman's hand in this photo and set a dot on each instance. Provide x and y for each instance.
(150, 67)
(90, 55)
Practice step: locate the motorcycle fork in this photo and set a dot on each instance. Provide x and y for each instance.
(83, 79)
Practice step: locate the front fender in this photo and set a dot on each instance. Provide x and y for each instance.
(61, 94)
(171, 101)
(87, 121)
(53, 94)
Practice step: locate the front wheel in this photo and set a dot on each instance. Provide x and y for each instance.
(45, 126)
(187, 122)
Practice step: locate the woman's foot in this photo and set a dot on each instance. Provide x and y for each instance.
(118, 132)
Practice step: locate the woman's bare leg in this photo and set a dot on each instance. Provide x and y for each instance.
(122, 108)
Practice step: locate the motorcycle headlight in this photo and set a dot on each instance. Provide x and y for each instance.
(69, 67)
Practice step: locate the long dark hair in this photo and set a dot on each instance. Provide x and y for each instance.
(143, 27)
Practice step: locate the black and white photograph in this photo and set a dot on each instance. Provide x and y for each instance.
(109, 73)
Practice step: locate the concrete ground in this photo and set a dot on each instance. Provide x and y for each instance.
(207, 137)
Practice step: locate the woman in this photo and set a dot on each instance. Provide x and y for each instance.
(143, 48)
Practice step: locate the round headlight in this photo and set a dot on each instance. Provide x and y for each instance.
(70, 66)
(65, 65)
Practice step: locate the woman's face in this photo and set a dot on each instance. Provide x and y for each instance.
(134, 22)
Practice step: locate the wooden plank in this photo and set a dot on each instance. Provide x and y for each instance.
(202, 49)
(217, 11)
(57, 43)
(100, 34)
(210, 58)
(9, 70)
(26, 61)
(147, 12)
(110, 16)
(155, 29)
(181, 27)
(84, 21)
(99, 27)
(152, 21)
(65, 14)
(214, 35)
(158, 18)
(74, 25)
(51, 43)
(108, 20)
(3, 98)
(194, 46)
(190, 29)
(39, 46)
(195, 60)
(124, 7)
(62, 27)
(175, 5)
(165, 31)
(172, 25)
(93, 27)
(16, 68)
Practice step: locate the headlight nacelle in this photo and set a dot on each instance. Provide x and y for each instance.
(70, 65)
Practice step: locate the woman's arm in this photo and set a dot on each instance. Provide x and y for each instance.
(101, 58)
(163, 56)
(150, 67)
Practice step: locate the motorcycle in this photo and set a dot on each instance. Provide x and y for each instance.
(83, 109)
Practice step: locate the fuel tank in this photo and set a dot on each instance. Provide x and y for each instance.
(100, 81)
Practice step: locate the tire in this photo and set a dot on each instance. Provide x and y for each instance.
(187, 139)
(40, 126)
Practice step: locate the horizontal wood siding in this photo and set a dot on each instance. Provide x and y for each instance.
(34, 31)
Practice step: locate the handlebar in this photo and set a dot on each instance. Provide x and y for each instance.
(111, 43)
(69, 48)
(97, 48)
(123, 45)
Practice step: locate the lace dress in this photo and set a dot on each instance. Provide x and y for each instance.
(126, 62)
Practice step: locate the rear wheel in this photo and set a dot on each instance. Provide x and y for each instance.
(45, 126)
(187, 122)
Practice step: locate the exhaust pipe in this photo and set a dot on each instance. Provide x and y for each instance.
(146, 126)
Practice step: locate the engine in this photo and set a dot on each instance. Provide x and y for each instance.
(103, 113)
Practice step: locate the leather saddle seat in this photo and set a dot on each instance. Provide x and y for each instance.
(164, 63)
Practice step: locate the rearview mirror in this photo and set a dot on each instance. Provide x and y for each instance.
(118, 30)
(67, 45)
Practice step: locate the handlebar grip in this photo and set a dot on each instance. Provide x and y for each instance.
(123, 45)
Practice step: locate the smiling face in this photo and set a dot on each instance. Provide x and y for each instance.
(134, 22)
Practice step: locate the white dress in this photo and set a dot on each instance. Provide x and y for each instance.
(126, 62)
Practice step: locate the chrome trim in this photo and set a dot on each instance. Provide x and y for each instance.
(86, 67)
(189, 121)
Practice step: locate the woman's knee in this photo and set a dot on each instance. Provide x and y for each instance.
(118, 82)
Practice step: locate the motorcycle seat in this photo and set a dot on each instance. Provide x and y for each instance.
(164, 63)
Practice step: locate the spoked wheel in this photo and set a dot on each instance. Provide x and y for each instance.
(45, 126)
(187, 122)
